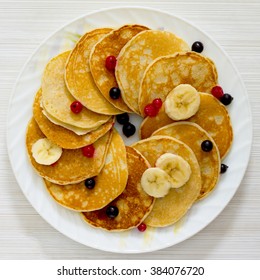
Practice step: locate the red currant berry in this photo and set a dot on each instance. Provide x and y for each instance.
(76, 107)
(217, 92)
(142, 227)
(110, 63)
(150, 110)
(88, 151)
(157, 102)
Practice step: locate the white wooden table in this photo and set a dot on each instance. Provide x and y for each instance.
(235, 25)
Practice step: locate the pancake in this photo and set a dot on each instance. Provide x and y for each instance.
(170, 208)
(137, 54)
(167, 72)
(109, 183)
(193, 135)
(72, 167)
(212, 116)
(78, 77)
(63, 137)
(111, 44)
(56, 99)
(133, 204)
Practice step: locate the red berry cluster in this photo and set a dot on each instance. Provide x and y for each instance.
(153, 108)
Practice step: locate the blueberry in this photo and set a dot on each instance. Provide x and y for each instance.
(114, 93)
(112, 211)
(226, 99)
(90, 183)
(123, 118)
(197, 47)
(129, 129)
(223, 168)
(206, 146)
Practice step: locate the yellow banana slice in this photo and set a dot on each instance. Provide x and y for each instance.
(155, 182)
(45, 152)
(182, 102)
(176, 167)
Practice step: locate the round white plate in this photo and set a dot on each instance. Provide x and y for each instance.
(70, 223)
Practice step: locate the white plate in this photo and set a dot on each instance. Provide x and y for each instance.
(70, 223)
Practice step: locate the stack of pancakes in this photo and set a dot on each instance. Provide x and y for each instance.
(150, 63)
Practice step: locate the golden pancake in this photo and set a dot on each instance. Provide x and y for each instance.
(167, 72)
(73, 166)
(109, 183)
(56, 99)
(193, 135)
(133, 204)
(63, 137)
(137, 54)
(111, 44)
(212, 116)
(78, 77)
(213, 66)
(170, 208)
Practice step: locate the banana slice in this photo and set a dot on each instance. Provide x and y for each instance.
(176, 167)
(182, 102)
(155, 182)
(45, 152)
